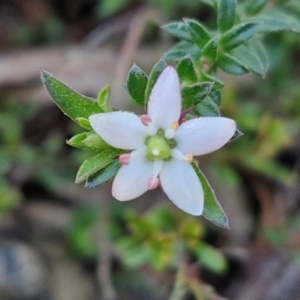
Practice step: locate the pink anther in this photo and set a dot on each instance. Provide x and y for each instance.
(189, 158)
(124, 158)
(153, 183)
(145, 119)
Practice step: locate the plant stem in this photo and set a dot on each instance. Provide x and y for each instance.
(104, 258)
(180, 286)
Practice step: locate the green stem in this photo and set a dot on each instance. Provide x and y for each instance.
(104, 260)
(180, 287)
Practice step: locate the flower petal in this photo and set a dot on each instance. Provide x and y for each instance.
(182, 186)
(131, 180)
(120, 129)
(204, 135)
(164, 106)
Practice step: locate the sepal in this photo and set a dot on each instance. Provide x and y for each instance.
(103, 99)
(88, 141)
(95, 163)
(104, 175)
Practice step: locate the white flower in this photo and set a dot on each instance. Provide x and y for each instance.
(162, 149)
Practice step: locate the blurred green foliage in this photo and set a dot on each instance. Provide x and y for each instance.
(12, 150)
(267, 112)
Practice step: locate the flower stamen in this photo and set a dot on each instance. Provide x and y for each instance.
(169, 134)
(124, 159)
(189, 158)
(146, 120)
(153, 183)
(175, 125)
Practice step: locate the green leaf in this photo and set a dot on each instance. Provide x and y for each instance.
(212, 209)
(193, 94)
(238, 35)
(199, 34)
(217, 83)
(210, 50)
(72, 103)
(96, 163)
(251, 59)
(216, 96)
(212, 3)
(207, 108)
(88, 140)
(10, 199)
(178, 30)
(136, 84)
(269, 24)
(231, 64)
(154, 74)
(186, 70)
(83, 122)
(276, 20)
(211, 258)
(181, 50)
(103, 99)
(226, 14)
(93, 140)
(258, 49)
(255, 6)
(104, 175)
(269, 168)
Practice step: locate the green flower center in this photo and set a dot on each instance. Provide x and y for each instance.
(158, 147)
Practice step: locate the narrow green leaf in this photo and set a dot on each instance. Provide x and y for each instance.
(212, 209)
(238, 35)
(212, 3)
(231, 64)
(217, 83)
(88, 140)
(257, 47)
(216, 96)
(136, 84)
(276, 19)
(104, 175)
(103, 99)
(269, 24)
(193, 94)
(186, 70)
(226, 14)
(199, 34)
(93, 140)
(154, 74)
(207, 108)
(72, 103)
(210, 50)
(181, 50)
(96, 163)
(251, 59)
(178, 30)
(255, 6)
(83, 122)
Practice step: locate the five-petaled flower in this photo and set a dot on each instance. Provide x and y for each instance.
(162, 149)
